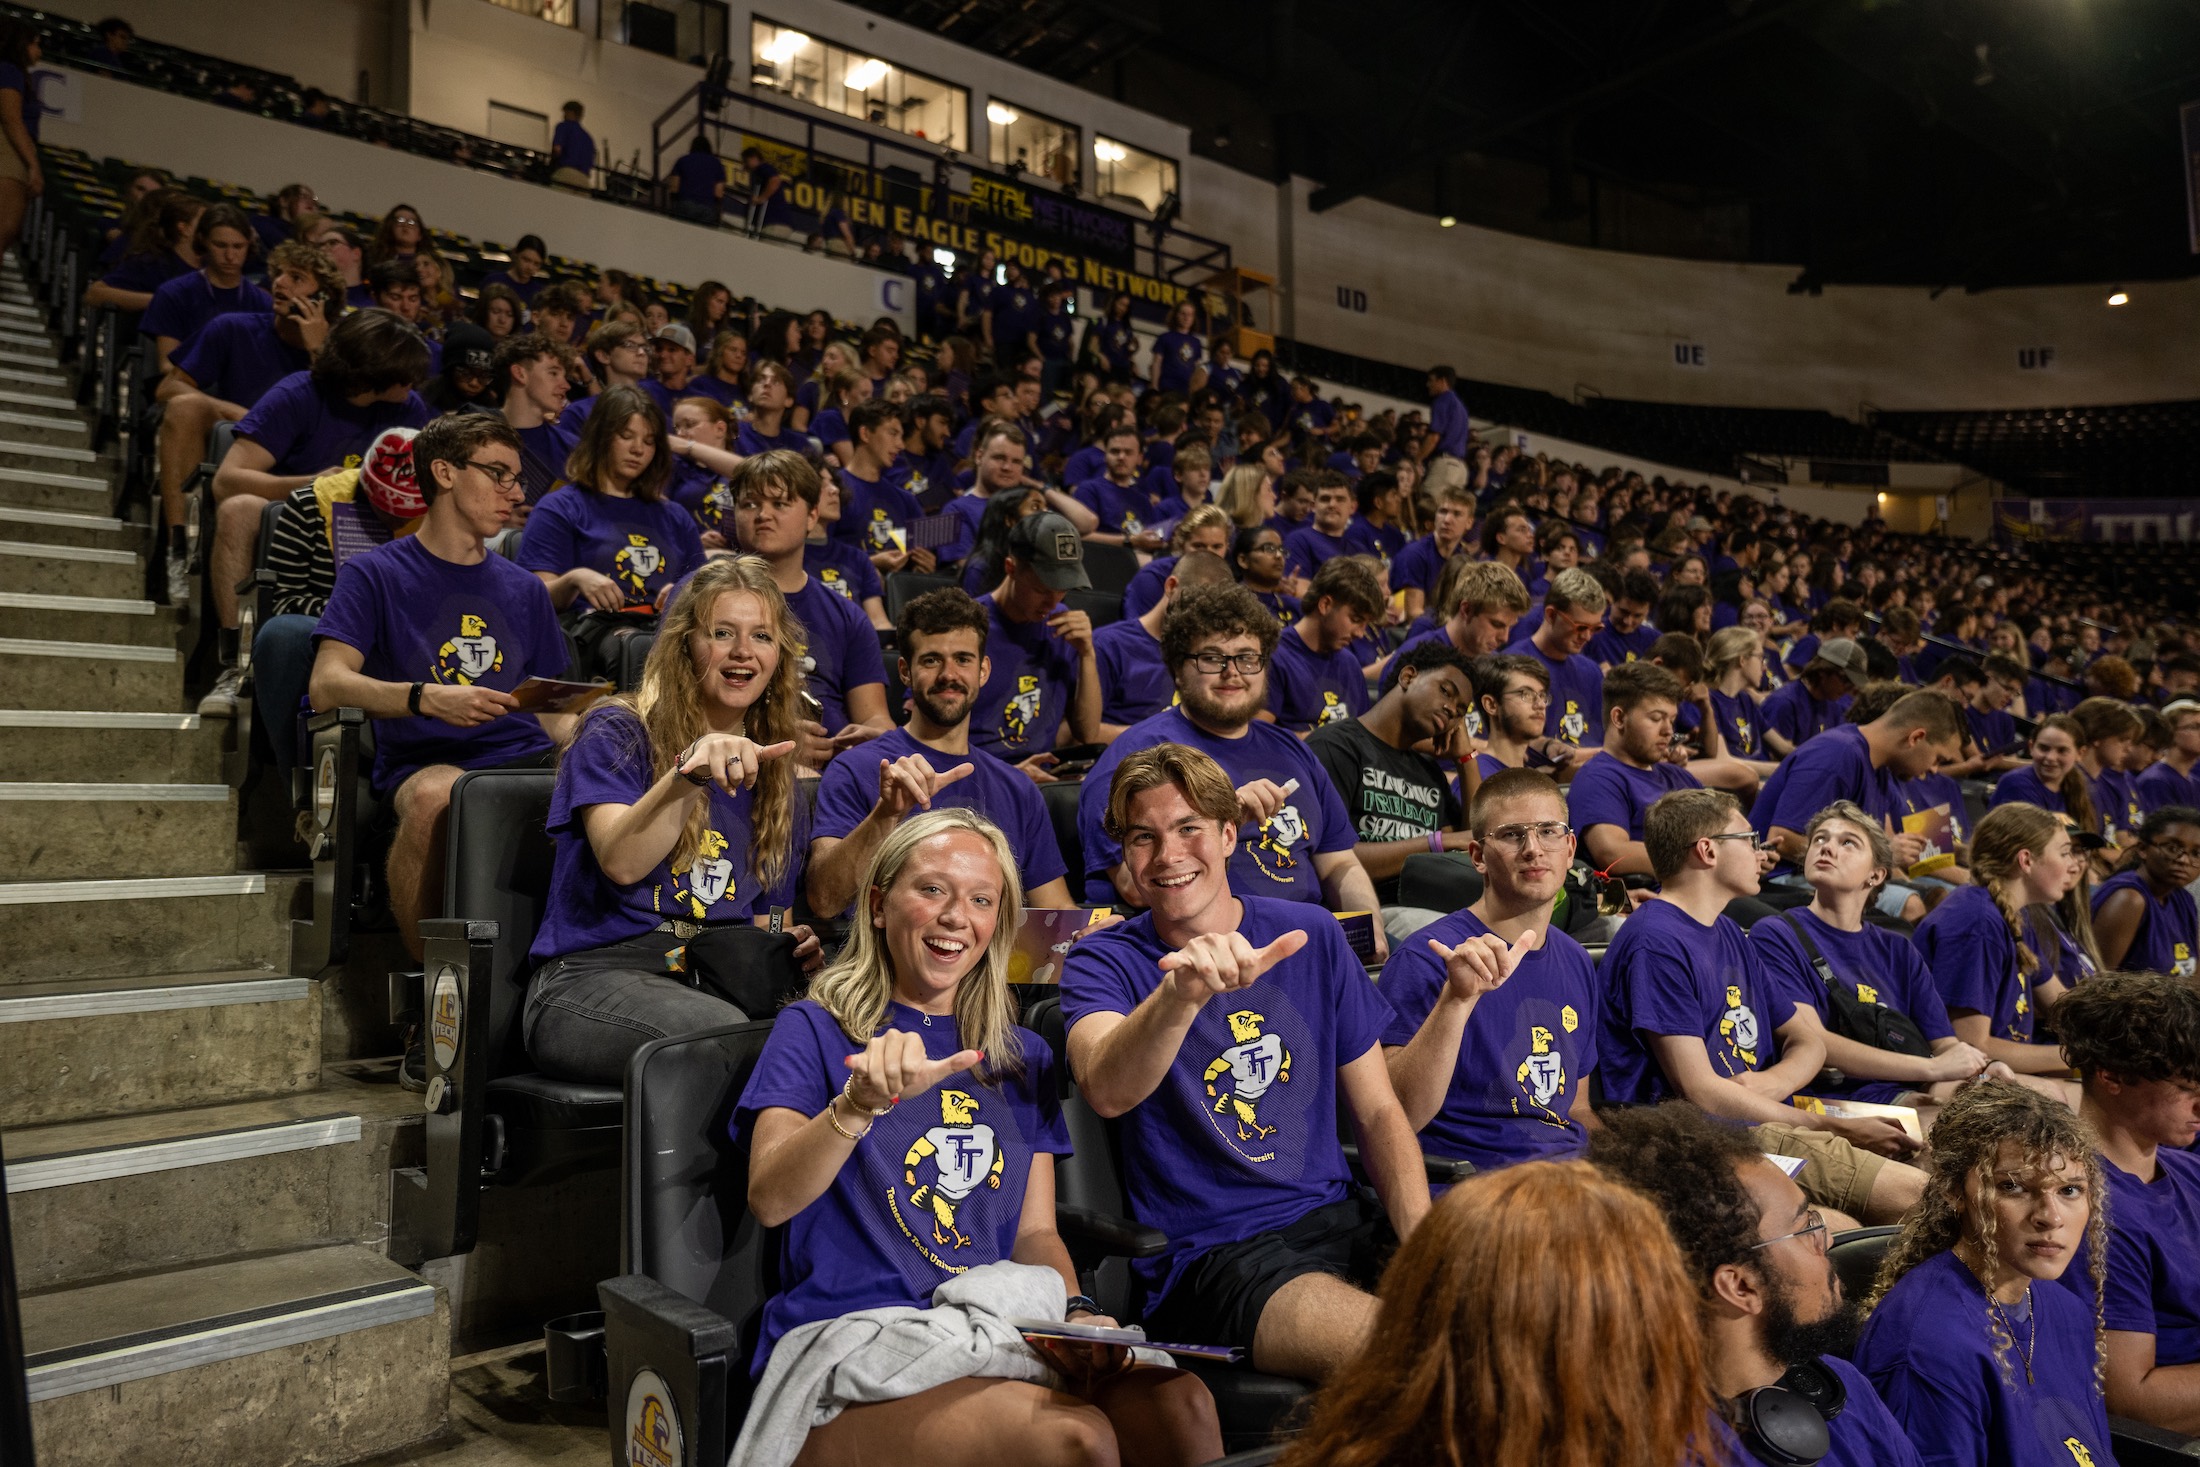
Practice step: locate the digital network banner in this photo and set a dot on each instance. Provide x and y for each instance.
(2018, 521)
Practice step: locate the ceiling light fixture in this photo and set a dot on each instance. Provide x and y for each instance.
(783, 47)
(999, 115)
(1446, 221)
(2119, 299)
(867, 75)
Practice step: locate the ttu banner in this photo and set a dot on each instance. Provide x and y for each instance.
(2128, 520)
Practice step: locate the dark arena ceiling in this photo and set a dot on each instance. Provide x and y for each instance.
(1940, 143)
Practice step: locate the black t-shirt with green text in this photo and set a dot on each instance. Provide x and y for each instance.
(1392, 794)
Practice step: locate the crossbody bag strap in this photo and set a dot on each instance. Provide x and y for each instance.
(1810, 947)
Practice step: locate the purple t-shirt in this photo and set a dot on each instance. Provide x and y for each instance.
(1527, 1052)
(1576, 713)
(238, 358)
(1274, 858)
(2153, 1283)
(1420, 565)
(1240, 1137)
(1448, 422)
(1306, 550)
(2160, 786)
(843, 570)
(609, 764)
(415, 618)
(843, 652)
(1837, 765)
(698, 177)
(1134, 681)
(1000, 792)
(2025, 784)
(1146, 587)
(1796, 716)
(1123, 509)
(146, 272)
(2167, 931)
(705, 495)
(1178, 352)
(188, 302)
(1307, 689)
(876, 1238)
(1865, 1434)
(308, 431)
(645, 545)
(1609, 791)
(749, 440)
(1610, 648)
(1928, 1348)
(1020, 709)
(870, 511)
(1872, 963)
(1967, 944)
(1666, 973)
(2116, 803)
(574, 147)
(1741, 724)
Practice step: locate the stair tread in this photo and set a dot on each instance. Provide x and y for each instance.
(122, 889)
(147, 983)
(96, 718)
(366, 1089)
(110, 1311)
(109, 792)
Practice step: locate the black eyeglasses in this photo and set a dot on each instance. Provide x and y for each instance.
(499, 475)
(1748, 835)
(1214, 662)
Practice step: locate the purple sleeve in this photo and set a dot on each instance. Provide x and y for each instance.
(351, 614)
(1095, 980)
(1044, 1090)
(205, 355)
(163, 316)
(1786, 970)
(863, 662)
(281, 418)
(843, 796)
(1040, 853)
(1599, 797)
(1362, 1012)
(1964, 963)
(2127, 1298)
(1412, 979)
(1661, 990)
(685, 533)
(794, 1071)
(1810, 787)
(550, 543)
(548, 653)
(603, 767)
(1921, 999)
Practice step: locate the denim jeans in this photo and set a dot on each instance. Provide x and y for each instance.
(587, 1012)
(282, 665)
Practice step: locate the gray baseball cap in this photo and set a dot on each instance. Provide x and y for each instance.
(1048, 545)
(677, 333)
(1842, 655)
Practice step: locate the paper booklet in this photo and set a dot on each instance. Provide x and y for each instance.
(556, 695)
(1857, 1110)
(1097, 1334)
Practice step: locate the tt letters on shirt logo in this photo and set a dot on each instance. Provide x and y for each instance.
(709, 879)
(1270, 845)
(1573, 724)
(1542, 1077)
(1238, 1078)
(470, 655)
(1022, 710)
(1738, 1027)
(942, 1168)
(633, 566)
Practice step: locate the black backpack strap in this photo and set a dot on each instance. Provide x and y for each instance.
(1810, 948)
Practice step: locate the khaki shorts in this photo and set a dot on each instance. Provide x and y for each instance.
(1834, 1174)
(1446, 472)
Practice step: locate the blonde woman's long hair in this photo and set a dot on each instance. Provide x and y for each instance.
(669, 707)
(2006, 830)
(856, 988)
(1240, 495)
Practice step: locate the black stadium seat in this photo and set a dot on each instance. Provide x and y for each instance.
(1110, 567)
(903, 587)
(1855, 1256)
(1061, 802)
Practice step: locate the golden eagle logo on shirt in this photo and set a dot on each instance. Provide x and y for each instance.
(1271, 844)
(942, 1168)
(2079, 1455)
(1022, 710)
(881, 529)
(1745, 740)
(1333, 710)
(1132, 524)
(469, 656)
(1236, 1080)
(717, 505)
(633, 566)
(1738, 1027)
(1541, 1077)
(1573, 723)
(832, 580)
(707, 881)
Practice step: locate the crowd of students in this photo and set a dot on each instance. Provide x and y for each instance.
(1726, 743)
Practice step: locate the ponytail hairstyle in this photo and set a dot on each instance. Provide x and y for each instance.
(2006, 830)
(1958, 1203)
(2076, 790)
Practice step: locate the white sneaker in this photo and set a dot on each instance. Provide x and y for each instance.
(179, 578)
(221, 699)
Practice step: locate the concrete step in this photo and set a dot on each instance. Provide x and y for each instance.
(322, 1355)
(69, 570)
(103, 675)
(251, 1177)
(61, 428)
(19, 451)
(56, 831)
(43, 404)
(43, 744)
(30, 616)
(100, 1047)
(35, 353)
(51, 930)
(14, 372)
(45, 489)
(65, 527)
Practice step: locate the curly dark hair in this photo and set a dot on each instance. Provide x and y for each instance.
(1687, 1164)
(2138, 1027)
(1206, 612)
(937, 613)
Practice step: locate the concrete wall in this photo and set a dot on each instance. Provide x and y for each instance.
(193, 137)
(324, 43)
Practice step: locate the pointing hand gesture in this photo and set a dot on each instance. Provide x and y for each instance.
(909, 782)
(731, 761)
(1482, 963)
(894, 1066)
(1217, 962)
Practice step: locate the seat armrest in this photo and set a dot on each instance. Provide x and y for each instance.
(2138, 1444)
(1443, 1169)
(1106, 1233)
(329, 718)
(636, 1307)
(660, 1344)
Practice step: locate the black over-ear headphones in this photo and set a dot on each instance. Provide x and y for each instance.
(1785, 1425)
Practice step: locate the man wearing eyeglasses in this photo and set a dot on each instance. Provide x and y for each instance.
(1495, 1026)
(1772, 1306)
(429, 634)
(1689, 1012)
(1296, 842)
(1573, 613)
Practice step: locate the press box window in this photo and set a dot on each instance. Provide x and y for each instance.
(1123, 172)
(1021, 138)
(855, 84)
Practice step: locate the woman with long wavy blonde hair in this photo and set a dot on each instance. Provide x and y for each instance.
(902, 1130)
(1979, 1344)
(674, 812)
(1539, 1314)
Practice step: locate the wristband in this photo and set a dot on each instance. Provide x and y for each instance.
(412, 699)
(1080, 1302)
(1436, 841)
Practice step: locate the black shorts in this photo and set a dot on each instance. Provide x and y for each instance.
(1219, 1298)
